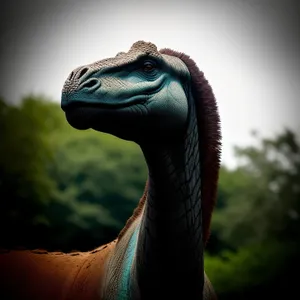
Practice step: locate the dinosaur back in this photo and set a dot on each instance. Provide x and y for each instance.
(39, 275)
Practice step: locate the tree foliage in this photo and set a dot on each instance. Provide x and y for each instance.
(258, 227)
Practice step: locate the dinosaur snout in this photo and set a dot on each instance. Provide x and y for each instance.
(81, 79)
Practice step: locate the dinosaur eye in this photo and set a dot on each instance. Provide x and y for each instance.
(148, 66)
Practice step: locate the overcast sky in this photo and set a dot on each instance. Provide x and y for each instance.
(249, 50)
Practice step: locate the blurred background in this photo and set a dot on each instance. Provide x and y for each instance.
(65, 189)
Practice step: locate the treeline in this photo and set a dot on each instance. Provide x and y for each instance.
(65, 189)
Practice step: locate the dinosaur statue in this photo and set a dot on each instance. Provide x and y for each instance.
(161, 101)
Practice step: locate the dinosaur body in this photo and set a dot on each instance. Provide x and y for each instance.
(161, 101)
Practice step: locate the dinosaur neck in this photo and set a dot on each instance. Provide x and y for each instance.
(169, 253)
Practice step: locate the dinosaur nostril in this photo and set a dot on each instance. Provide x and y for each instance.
(82, 72)
(90, 83)
(71, 76)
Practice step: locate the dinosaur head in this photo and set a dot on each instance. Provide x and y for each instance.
(134, 95)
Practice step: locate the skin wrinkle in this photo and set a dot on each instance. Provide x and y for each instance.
(76, 276)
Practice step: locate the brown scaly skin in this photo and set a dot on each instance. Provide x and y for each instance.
(182, 161)
(40, 275)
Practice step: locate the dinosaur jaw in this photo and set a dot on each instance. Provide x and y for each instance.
(85, 111)
(68, 102)
(127, 122)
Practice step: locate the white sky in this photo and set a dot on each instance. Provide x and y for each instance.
(247, 49)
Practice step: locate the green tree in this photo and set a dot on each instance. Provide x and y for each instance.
(262, 192)
(24, 152)
(260, 222)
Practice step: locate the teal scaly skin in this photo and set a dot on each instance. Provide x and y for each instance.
(161, 101)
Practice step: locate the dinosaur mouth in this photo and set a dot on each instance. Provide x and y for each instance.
(84, 114)
(68, 105)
